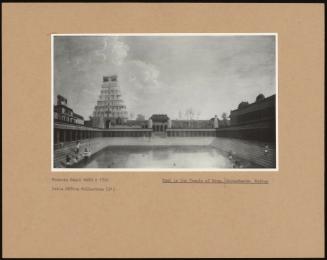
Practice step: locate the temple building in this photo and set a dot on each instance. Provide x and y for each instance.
(160, 122)
(194, 124)
(256, 121)
(262, 110)
(64, 114)
(110, 109)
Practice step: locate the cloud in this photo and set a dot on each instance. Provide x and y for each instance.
(140, 85)
(101, 51)
(119, 50)
(113, 50)
(165, 74)
(142, 75)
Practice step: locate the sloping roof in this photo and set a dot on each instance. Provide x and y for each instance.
(259, 98)
(79, 116)
(111, 78)
(243, 104)
(159, 118)
(61, 105)
(261, 104)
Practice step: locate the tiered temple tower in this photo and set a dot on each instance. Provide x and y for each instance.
(110, 109)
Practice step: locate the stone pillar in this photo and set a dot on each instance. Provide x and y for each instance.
(58, 136)
(102, 123)
(62, 132)
(215, 122)
(169, 123)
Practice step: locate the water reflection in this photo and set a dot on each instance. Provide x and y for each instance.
(160, 157)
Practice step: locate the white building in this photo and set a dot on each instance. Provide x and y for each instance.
(110, 108)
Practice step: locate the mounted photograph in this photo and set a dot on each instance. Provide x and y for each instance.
(164, 102)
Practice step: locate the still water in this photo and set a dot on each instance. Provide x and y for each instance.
(159, 157)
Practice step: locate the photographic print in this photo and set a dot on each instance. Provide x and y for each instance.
(164, 102)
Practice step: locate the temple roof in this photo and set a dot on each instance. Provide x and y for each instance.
(259, 105)
(259, 98)
(159, 118)
(110, 78)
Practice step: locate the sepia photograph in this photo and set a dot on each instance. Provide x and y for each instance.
(163, 130)
(164, 102)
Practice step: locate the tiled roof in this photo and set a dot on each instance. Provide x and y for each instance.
(159, 117)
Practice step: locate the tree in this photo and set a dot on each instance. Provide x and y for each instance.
(189, 113)
(198, 113)
(180, 115)
(140, 117)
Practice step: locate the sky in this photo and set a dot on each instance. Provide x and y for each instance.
(166, 74)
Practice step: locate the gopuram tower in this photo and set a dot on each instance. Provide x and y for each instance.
(110, 109)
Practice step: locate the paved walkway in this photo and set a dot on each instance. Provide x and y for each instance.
(248, 150)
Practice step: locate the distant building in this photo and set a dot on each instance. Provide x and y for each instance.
(140, 117)
(263, 109)
(110, 108)
(224, 122)
(79, 120)
(221, 122)
(65, 114)
(137, 123)
(194, 124)
(159, 122)
(88, 123)
(255, 121)
(61, 100)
